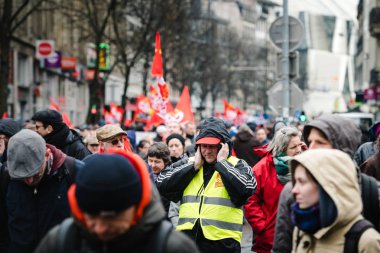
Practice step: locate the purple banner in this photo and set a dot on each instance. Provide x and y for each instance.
(54, 62)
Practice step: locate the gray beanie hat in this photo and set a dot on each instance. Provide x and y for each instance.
(26, 154)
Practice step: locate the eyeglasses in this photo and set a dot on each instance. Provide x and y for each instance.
(94, 145)
(114, 142)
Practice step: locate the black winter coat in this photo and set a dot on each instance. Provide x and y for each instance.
(69, 142)
(33, 211)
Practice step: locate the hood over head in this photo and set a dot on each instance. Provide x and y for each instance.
(336, 174)
(341, 132)
(216, 129)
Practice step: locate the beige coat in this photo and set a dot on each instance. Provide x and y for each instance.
(336, 173)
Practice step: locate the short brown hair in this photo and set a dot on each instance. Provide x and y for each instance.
(161, 151)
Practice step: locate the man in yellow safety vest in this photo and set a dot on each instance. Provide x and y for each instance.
(212, 187)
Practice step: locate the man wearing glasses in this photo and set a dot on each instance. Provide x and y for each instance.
(112, 136)
(36, 198)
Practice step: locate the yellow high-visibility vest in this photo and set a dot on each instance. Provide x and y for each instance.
(218, 216)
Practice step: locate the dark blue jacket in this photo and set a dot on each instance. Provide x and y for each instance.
(33, 211)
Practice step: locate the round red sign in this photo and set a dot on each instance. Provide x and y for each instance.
(45, 49)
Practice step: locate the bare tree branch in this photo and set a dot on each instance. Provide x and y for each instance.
(18, 11)
(22, 20)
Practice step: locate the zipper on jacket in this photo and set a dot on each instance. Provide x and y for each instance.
(35, 191)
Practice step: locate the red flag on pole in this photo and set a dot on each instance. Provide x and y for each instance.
(108, 118)
(142, 109)
(117, 112)
(230, 112)
(164, 89)
(66, 119)
(53, 105)
(184, 105)
(157, 70)
(154, 120)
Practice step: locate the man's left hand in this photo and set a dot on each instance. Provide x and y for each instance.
(223, 152)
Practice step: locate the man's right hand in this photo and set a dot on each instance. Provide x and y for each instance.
(198, 160)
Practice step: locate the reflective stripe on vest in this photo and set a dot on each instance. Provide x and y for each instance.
(219, 217)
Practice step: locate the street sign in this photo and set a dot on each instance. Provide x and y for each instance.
(44, 48)
(276, 94)
(296, 32)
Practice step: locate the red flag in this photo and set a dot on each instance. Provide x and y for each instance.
(230, 112)
(142, 109)
(116, 112)
(53, 105)
(156, 70)
(5, 115)
(66, 119)
(184, 106)
(154, 98)
(155, 120)
(159, 118)
(128, 122)
(164, 89)
(108, 118)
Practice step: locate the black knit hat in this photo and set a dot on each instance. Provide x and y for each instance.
(176, 136)
(107, 185)
(49, 117)
(9, 127)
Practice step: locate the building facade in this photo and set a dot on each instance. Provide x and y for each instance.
(367, 64)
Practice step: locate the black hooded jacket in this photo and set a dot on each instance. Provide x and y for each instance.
(214, 127)
(238, 180)
(68, 141)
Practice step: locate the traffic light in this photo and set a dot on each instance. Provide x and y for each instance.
(104, 57)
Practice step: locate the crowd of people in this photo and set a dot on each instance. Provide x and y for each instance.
(189, 188)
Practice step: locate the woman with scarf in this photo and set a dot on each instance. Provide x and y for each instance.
(272, 173)
(328, 204)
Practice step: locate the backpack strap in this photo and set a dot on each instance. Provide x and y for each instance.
(160, 237)
(70, 169)
(370, 197)
(352, 237)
